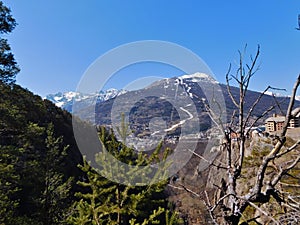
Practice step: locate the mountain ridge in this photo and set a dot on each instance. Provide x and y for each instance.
(65, 99)
(197, 88)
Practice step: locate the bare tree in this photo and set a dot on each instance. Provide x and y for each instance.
(250, 184)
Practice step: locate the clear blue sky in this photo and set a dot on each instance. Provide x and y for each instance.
(57, 40)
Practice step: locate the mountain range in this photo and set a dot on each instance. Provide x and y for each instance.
(65, 99)
(177, 101)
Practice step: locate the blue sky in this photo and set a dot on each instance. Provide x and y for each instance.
(56, 41)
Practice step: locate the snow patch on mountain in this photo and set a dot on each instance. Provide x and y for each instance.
(297, 98)
(274, 94)
(188, 79)
(198, 77)
(65, 100)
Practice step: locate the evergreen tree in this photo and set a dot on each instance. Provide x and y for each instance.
(35, 170)
(45, 193)
(8, 65)
(107, 202)
(8, 185)
(53, 201)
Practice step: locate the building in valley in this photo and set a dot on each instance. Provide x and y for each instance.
(295, 120)
(275, 123)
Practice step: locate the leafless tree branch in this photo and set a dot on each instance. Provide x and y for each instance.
(249, 114)
(229, 87)
(208, 161)
(264, 213)
(231, 202)
(284, 171)
(279, 144)
(289, 149)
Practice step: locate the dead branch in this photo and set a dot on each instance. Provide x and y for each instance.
(251, 68)
(229, 204)
(290, 107)
(229, 87)
(190, 191)
(208, 206)
(211, 163)
(289, 185)
(262, 169)
(278, 105)
(255, 104)
(219, 201)
(284, 171)
(249, 114)
(288, 149)
(264, 213)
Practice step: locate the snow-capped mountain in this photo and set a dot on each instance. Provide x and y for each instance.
(186, 91)
(178, 100)
(65, 100)
(198, 77)
(276, 94)
(199, 87)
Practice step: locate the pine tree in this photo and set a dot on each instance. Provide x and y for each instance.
(107, 202)
(45, 193)
(8, 185)
(55, 187)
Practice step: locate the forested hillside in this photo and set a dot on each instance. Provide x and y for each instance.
(41, 181)
(39, 158)
(43, 176)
